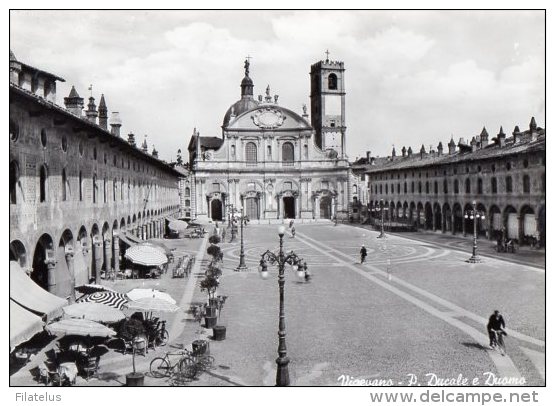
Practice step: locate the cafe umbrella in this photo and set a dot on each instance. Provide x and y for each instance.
(113, 299)
(98, 312)
(79, 327)
(146, 255)
(140, 293)
(153, 304)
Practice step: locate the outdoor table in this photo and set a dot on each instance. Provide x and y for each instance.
(69, 370)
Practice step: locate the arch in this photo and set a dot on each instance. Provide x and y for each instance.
(287, 152)
(135, 219)
(325, 207)
(65, 271)
(457, 218)
(14, 181)
(437, 216)
(122, 224)
(106, 230)
(468, 222)
(399, 211)
(528, 224)
(428, 216)
(495, 222)
(510, 217)
(251, 152)
(43, 183)
(44, 251)
(332, 81)
(447, 225)
(18, 253)
(482, 226)
(216, 210)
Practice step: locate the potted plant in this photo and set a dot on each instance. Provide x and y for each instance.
(209, 284)
(214, 239)
(134, 328)
(219, 331)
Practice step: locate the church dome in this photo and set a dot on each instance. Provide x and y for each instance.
(239, 107)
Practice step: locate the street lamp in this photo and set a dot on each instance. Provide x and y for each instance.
(242, 267)
(229, 208)
(298, 265)
(381, 210)
(474, 215)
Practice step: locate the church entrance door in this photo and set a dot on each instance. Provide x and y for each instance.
(325, 207)
(251, 208)
(216, 210)
(289, 207)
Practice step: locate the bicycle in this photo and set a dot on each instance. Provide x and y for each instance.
(202, 362)
(161, 367)
(498, 341)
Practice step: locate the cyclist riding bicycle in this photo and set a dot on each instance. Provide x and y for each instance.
(293, 231)
(363, 254)
(496, 323)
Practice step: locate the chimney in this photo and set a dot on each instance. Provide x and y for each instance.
(103, 113)
(115, 123)
(501, 137)
(452, 146)
(372, 161)
(393, 153)
(422, 152)
(131, 139)
(533, 125)
(473, 143)
(154, 152)
(440, 149)
(91, 112)
(409, 152)
(516, 134)
(368, 153)
(484, 138)
(144, 147)
(74, 103)
(404, 151)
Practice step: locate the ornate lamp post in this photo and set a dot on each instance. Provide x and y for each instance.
(242, 267)
(381, 210)
(281, 259)
(474, 215)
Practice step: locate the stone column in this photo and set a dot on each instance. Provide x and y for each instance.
(97, 256)
(443, 222)
(463, 225)
(51, 267)
(434, 225)
(116, 253)
(317, 207)
(453, 223)
(520, 222)
(107, 254)
(71, 268)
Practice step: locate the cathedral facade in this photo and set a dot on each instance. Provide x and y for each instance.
(273, 162)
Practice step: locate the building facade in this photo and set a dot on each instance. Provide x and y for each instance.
(75, 186)
(272, 161)
(435, 190)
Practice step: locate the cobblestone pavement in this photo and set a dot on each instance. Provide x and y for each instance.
(413, 308)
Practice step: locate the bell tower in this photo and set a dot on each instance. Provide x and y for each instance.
(327, 104)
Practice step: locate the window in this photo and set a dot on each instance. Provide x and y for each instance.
(43, 178)
(114, 189)
(386, 188)
(43, 138)
(526, 184)
(412, 187)
(480, 186)
(508, 166)
(467, 186)
(187, 202)
(525, 163)
(233, 151)
(104, 191)
(80, 186)
(445, 186)
(14, 180)
(332, 81)
(250, 152)
(405, 188)
(427, 188)
(381, 191)
(269, 152)
(493, 185)
(288, 153)
(187, 192)
(325, 185)
(355, 189)
(493, 168)
(456, 187)
(435, 187)
(420, 187)
(94, 188)
(509, 184)
(64, 185)
(81, 148)
(306, 151)
(122, 196)
(287, 185)
(215, 187)
(398, 188)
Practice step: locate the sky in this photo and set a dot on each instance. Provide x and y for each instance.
(412, 77)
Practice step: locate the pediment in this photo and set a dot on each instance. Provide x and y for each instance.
(269, 118)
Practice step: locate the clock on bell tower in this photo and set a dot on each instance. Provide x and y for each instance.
(327, 104)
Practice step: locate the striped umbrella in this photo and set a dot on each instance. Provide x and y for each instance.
(79, 327)
(146, 255)
(113, 299)
(94, 311)
(153, 304)
(139, 293)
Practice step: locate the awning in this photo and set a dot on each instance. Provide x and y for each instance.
(28, 294)
(125, 238)
(131, 237)
(23, 325)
